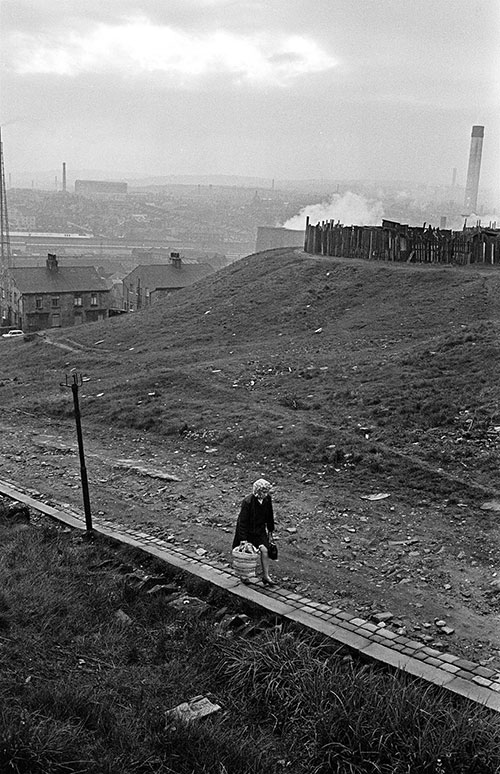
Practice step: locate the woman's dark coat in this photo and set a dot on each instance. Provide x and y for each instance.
(255, 521)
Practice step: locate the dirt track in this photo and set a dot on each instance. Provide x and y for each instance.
(366, 555)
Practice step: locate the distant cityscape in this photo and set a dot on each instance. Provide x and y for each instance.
(91, 247)
(116, 217)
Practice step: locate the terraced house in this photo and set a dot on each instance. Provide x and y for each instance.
(54, 296)
(147, 283)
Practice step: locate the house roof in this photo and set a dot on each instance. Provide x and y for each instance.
(67, 279)
(160, 276)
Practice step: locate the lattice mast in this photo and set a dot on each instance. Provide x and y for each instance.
(6, 257)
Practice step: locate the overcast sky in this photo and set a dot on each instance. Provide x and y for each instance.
(274, 88)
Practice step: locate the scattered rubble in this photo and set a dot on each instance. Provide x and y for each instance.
(190, 605)
(382, 617)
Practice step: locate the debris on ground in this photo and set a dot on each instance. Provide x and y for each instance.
(493, 505)
(194, 709)
(191, 605)
(122, 617)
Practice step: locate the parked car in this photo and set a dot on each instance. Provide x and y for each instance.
(12, 334)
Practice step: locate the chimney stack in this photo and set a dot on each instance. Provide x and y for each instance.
(474, 169)
(64, 177)
(52, 262)
(176, 260)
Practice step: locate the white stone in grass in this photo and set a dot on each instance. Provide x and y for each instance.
(122, 617)
(194, 709)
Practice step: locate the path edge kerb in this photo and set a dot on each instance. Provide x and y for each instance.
(370, 642)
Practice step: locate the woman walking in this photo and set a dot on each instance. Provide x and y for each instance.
(256, 524)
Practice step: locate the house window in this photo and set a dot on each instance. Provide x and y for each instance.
(93, 299)
(55, 301)
(56, 321)
(77, 299)
(39, 302)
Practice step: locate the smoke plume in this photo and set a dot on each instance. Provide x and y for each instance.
(350, 209)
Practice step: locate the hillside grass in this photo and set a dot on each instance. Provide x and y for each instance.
(291, 357)
(82, 692)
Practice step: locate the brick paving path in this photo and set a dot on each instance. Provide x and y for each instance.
(373, 640)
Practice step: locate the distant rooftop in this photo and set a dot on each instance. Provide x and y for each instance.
(67, 279)
(164, 275)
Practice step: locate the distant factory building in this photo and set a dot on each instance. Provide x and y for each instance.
(269, 238)
(54, 296)
(108, 189)
(147, 283)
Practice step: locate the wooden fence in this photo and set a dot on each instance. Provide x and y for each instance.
(395, 242)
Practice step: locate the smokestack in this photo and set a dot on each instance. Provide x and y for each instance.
(64, 177)
(472, 185)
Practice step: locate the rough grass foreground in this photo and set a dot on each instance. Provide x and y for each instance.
(80, 691)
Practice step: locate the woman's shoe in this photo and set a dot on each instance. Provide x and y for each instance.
(268, 582)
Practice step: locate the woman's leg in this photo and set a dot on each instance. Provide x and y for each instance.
(264, 560)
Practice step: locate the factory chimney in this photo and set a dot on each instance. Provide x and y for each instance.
(64, 177)
(472, 185)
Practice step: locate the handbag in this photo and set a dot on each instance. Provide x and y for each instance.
(273, 551)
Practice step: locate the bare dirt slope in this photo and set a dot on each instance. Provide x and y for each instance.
(338, 380)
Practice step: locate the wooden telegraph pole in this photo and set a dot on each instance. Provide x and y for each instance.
(75, 383)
